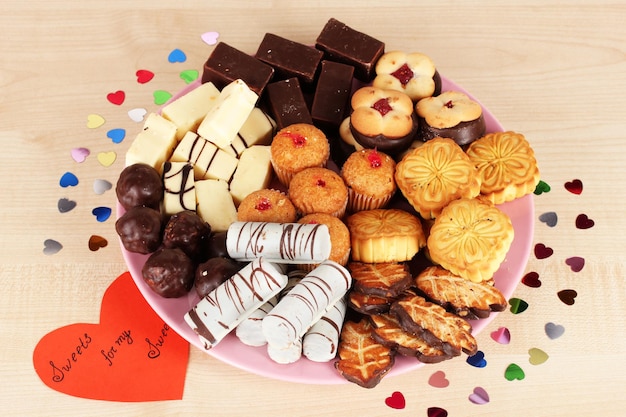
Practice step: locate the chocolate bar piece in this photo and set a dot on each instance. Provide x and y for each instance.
(227, 64)
(332, 94)
(287, 103)
(343, 44)
(289, 59)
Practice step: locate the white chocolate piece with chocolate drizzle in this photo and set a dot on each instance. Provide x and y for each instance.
(254, 172)
(214, 204)
(305, 304)
(258, 129)
(220, 311)
(321, 341)
(227, 116)
(285, 356)
(209, 161)
(293, 243)
(154, 144)
(179, 187)
(187, 111)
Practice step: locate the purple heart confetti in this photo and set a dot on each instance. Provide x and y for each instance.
(479, 396)
(576, 263)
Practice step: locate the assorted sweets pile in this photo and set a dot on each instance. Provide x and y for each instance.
(330, 202)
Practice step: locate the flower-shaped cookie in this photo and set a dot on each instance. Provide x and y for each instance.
(412, 73)
(506, 164)
(434, 174)
(470, 238)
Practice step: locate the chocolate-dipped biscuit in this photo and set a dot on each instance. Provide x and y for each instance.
(169, 272)
(187, 231)
(139, 185)
(140, 229)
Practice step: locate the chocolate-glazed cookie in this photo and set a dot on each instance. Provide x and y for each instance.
(139, 185)
(187, 231)
(169, 272)
(140, 229)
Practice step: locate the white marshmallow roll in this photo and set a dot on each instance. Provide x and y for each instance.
(249, 331)
(225, 307)
(292, 243)
(286, 355)
(309, 300)
(321, 340)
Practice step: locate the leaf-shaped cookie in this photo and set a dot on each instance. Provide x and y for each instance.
(385, 279)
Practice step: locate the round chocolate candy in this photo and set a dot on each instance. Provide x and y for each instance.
(139, 185)
(187, 231)
(212, 273)
(217, 245)
(169, 272)
(140, 229)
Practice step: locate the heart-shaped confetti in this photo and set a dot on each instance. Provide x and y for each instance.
(584, 222)
(210, 38)
(144, 76)
(568, 297)
(68, 180)
(438, 380)
(117, 97)
(542, 251)
(477, 360)
(137, 114)
(106, 159)
(79, 154)
(64, 205)
(531, 280)
(554, 331)
(542, 187)
(130, 355)
(96, 242)
(94, 121)
(101, 186)
(436, 412)
(502, 336)
(161, 97)
(51, 246)
(189, 76)
(574, 186)
(576, 263)
(177, 56)
(396, 400)
(513, 371)
(517, 305)
(550, 218)
(479, 396)
(537, 356)
(116, 135)
(102, 213)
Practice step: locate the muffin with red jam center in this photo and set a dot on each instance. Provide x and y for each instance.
(339, 237)
(266, 205)
(369, 175)
(319, 190)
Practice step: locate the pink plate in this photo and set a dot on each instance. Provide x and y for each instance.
(256, 360)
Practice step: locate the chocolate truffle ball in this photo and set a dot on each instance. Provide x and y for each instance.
(217, 245)
(212, 273)
(139, 185)
(140, 229)
(187, 231)
(169, 272)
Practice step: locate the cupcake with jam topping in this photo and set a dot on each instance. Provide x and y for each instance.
(266, 205)
(318, 190)
(339, 237)
(369, 175)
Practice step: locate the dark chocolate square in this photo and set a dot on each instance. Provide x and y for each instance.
(289, 59)
(332, 94)
(286, 103)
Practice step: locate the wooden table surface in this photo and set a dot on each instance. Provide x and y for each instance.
(554, 71)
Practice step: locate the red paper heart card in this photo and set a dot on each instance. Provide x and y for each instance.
(131, 355)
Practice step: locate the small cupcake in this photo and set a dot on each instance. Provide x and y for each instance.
(339, 237)
(266, 205)
(318, 190)
(369, 175)
(297, 147)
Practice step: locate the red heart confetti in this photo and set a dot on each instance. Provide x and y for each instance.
(554, 331)
(477, 360)
(584, 222)
(574, 186)
(438, 380)
(479, 396)
(517, 305)
(436, 412)
(502, 336)
(531, 280)
(143, 76)
(131, 355)
(513, 372)
(550, 218)
(576, 263)
(542, 187)
(96, 242)
(542, 251)
(117, 97)
(567, 296)
(396, 400)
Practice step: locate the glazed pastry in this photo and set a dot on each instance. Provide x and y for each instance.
(411, 73)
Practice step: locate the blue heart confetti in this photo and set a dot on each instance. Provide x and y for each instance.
(102, 213)
(477, 360)
(116, 135)
(68, 180)
(177, 56)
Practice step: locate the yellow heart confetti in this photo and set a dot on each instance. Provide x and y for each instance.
(94, 121)
(537, 356)
(106, 159)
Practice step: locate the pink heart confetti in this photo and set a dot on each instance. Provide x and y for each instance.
(574, 186)
(554, 331)
(438, 380)
(479, 396)
(542, 251)
(79, 154)
(502, 336)
(576, 263)
(584, 222)
(396, 400)
(210, 38)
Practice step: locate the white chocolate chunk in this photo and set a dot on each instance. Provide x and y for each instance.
(278, 242)
(254, 172)
(321, 340)
(227, 116)
(287, 355)
(154, 144)
(209, 161)
(225, 307)
(178, 183)
(188, 111)
(214, 204)
(305, 304)
(258, 129)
